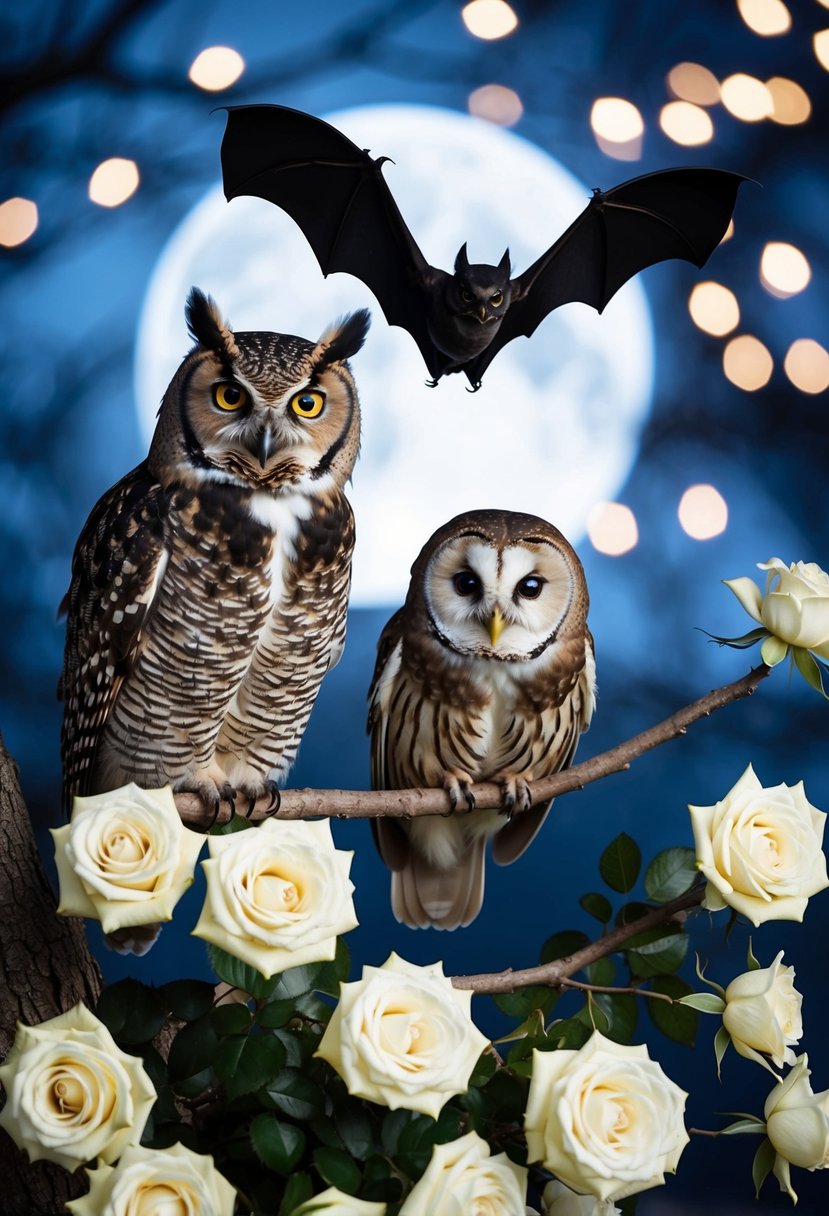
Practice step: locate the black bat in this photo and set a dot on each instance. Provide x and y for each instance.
(338, 196)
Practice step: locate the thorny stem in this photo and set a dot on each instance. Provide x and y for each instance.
(369, 804)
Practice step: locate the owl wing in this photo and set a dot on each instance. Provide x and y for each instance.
(117, 566)
(390, 838)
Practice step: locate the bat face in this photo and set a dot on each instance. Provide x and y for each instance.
(480, 292)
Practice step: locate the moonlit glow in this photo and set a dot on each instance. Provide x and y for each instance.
(791, 102)
(821, 44)
(693, 82)
(765, 17)
(747, 363)
(618, 127)
(216, 68)
(686, 123)
(612, 528)
(807, 366)
(714, 308)
(746, 97)
(729, 232)
(489, 19)
(18, 221)
(703, 512)
(496, 103)
(113, 182)
(784, 270)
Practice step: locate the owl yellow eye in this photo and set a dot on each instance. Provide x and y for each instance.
(308, 404)
(497, 300)
(229, 396)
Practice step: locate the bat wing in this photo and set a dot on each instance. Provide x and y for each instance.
(676, 213)
(337, 195)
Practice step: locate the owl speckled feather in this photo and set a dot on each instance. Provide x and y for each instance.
(209, 586)
(486, 674)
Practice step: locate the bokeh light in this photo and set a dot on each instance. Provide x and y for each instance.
(489, 19)
(791, 104)
(821, 44)
(618, 127)
(216, 68)
(686, 123)
(746, 97)
(612, 528)
(113, 182)
(714, 308)
(765, 17)
(807, 365)
(496, 103)
(729, 232)
(693, 82)
(18, 221)
(703, 512)
(784, 270)
(747, 363)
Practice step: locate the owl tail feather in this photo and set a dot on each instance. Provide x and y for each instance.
(424, 896)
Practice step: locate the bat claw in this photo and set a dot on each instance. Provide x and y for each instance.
(432, 383)
(474, 387)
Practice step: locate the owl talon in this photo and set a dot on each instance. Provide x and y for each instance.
(515, 796)
(276, 799)
(458, 787)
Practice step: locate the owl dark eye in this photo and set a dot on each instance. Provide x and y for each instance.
(497, 300)
(466, 583)
(229, 396)
(308, 404)
(530, 587)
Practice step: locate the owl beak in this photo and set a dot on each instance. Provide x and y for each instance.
(265, 446)
(496, 625)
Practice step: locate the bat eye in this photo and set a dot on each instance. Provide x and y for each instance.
(466, 296)
(530, 587)
(308, 404)
(229, 396)
(466, 583)
(497, 300)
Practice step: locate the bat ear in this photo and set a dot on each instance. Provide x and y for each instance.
(504, 264)
(207, 326)
(461, 261)
(342, 339)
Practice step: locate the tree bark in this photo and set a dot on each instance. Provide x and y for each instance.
(45, 968)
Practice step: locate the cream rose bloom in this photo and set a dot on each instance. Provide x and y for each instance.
(71, 1093)
(797, 1124)
(334, 1203)
(125, 858)
(761, 850)
(559, 1200)
(762, 1013)
(605, 1119)
(462, 1178)
(795, 607)
(403, 1036)
(278, 895)
(157, 1182)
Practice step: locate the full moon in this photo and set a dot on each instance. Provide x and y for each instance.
(555, 427)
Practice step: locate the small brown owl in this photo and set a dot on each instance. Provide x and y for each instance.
(209, 586)
(485, 674)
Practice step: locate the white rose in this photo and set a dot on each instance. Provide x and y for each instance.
(278, 895)
(334, 1203)
(71, 1093)
(125, 858)
(605, 1120)
(559, 1200)
(403, 1036)
(761, 850)
(795, 607)
(462, 1177)
(797, 1124)
(762, 1013)
(157, 1182)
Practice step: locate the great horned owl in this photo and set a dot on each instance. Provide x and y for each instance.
(209, 586)
(485, 674)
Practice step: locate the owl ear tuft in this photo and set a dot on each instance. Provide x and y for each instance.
(342, 339)
(207, 326)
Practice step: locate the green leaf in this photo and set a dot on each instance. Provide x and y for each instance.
(721, 1041)
(774, 651)
(562, 945)
(295, 1094)
(193, 1050)
(602, 972)
(276, 1013)
(300, 1044)
(240, 975)
(620, 862)
(298, 1190)
(484, 1069)
(415, 1145)
(278, 1145)
(354, 1128)
(524, 1001)
(597, 905)
(623, 1012)
(657, 951)
(392, 1129)
(741, 643)
(762, 1165)
(193, 1086)
(670, 874)
(247, 1064)
(231, 1019)
(751, 962)
(705, 1002)
(188, 999)
(700, 970)
(747, 1126)
(237, 823)
(569, 1033)
(631, 912)
(594, 1013)
(296, 981)
(677, 1022)
(337, 1169)
(132, 1012)
(810, 669)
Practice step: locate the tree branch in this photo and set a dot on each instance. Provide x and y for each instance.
(370, 804)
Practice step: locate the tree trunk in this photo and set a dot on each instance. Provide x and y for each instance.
(45, 968)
